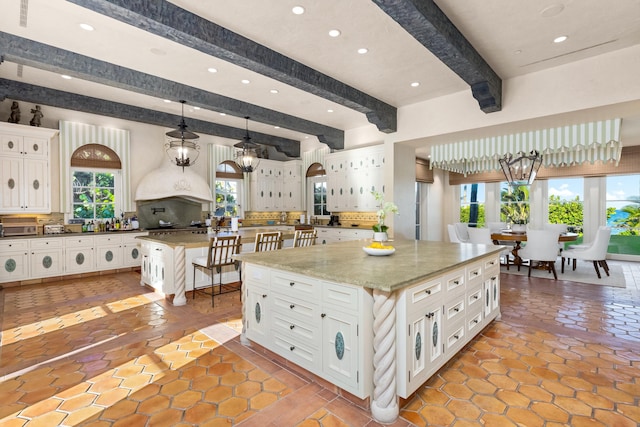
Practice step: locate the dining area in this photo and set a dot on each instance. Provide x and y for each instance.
(538, 248)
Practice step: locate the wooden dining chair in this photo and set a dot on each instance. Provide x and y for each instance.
(303, 238)
(221, 253)
(268, 241)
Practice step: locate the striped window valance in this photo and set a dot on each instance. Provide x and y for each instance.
(74, 135)
(561, 146)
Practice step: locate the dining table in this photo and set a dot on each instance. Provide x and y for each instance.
(518, 237)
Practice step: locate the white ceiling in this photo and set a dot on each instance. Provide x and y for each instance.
(515, 38)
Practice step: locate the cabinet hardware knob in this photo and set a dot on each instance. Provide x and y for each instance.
(475, 320)
(456, 336)
(494, 278)
(475, 297)
(428, 291)
(264, 295)
(323, 315)
(429, 315)
(291, 326)
(292, 306)
(475, 273)
(456, 309)
(292, 283)
(292, 348)
(456, 282)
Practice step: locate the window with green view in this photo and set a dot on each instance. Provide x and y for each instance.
(94, 194)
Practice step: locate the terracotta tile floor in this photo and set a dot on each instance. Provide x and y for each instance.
(106, 352)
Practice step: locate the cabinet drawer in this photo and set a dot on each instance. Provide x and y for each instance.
(293, 329)
(45, 243)
(108, 240)
(454, 282)
(474, 274)
(492, 265)
(303, 311)
(340, 296)
(14, 245)
(425, 292)
(255, 274)
(454, 308)
(455, 337)
(474, 298)
(474, 323)
(295, 285)
(71, 242)
(297, 352)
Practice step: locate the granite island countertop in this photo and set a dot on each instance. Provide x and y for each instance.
(414, 261)
(189, 240)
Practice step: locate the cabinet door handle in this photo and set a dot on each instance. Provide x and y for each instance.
(292, 348)
(292, 283)
(456, 282)
(323, 315)
(264, 295)
(292, 306)
(428, 291)
(475, 273)
(494, 278)
(456, 309)
(292, 326)
(475, 297)
(475, 320)
(429, 315)
(456, 336)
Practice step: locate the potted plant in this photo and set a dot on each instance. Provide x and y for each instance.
(518, 216)
(384, 208)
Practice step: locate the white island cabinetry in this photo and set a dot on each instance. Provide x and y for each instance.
(372, 314)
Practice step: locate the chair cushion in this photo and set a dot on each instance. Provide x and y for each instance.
(201, 261)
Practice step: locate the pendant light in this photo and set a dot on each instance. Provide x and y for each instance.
(522, 169)
(247, 158)
(182, 150)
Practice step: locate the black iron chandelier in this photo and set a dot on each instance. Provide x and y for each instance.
(522, 169)
(182, 150)
(247, 157)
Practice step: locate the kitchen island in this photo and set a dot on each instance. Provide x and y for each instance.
(166, 259)
(375, 326)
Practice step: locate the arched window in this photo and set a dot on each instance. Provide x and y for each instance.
(317, 190)
(96, 182)
(228, 189)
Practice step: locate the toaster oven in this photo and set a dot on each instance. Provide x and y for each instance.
(53, 229)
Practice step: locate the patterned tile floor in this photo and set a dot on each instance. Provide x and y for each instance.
(106, 352)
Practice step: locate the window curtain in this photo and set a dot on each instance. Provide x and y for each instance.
(561, 146)
(74, 135)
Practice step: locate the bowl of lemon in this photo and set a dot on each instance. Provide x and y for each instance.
(379, 249)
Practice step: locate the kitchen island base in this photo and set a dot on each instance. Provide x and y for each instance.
(375, 327)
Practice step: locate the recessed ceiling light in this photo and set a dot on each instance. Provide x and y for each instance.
(560, 39)
(517, 52)
(86, 27)
(212, 70)
(298, 10)
(245, 81)
(223, 114)
(363, 50)
(276, 127)
(65, 76)
(552, 10)
(157, 51)
(274, 91)
(329, 111)
(196, 108)
(168, 101)
(415, 84)
(334, 33)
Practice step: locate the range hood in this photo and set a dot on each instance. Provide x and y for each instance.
(172, 181)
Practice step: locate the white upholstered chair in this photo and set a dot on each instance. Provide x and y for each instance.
(482, 236)
(541, 249)
(596, 252)
(462, 229)
(453, 236)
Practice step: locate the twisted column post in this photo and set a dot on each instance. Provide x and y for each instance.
(179, 267)
(384, 406)
(245, 311)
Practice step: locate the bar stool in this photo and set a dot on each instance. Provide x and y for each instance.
(303, 238)
(220, 254)
(269, 241)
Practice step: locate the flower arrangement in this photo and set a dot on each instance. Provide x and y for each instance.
(518, 214)
(384, 208)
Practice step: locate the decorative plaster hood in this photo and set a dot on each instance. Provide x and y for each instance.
(171, 181)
